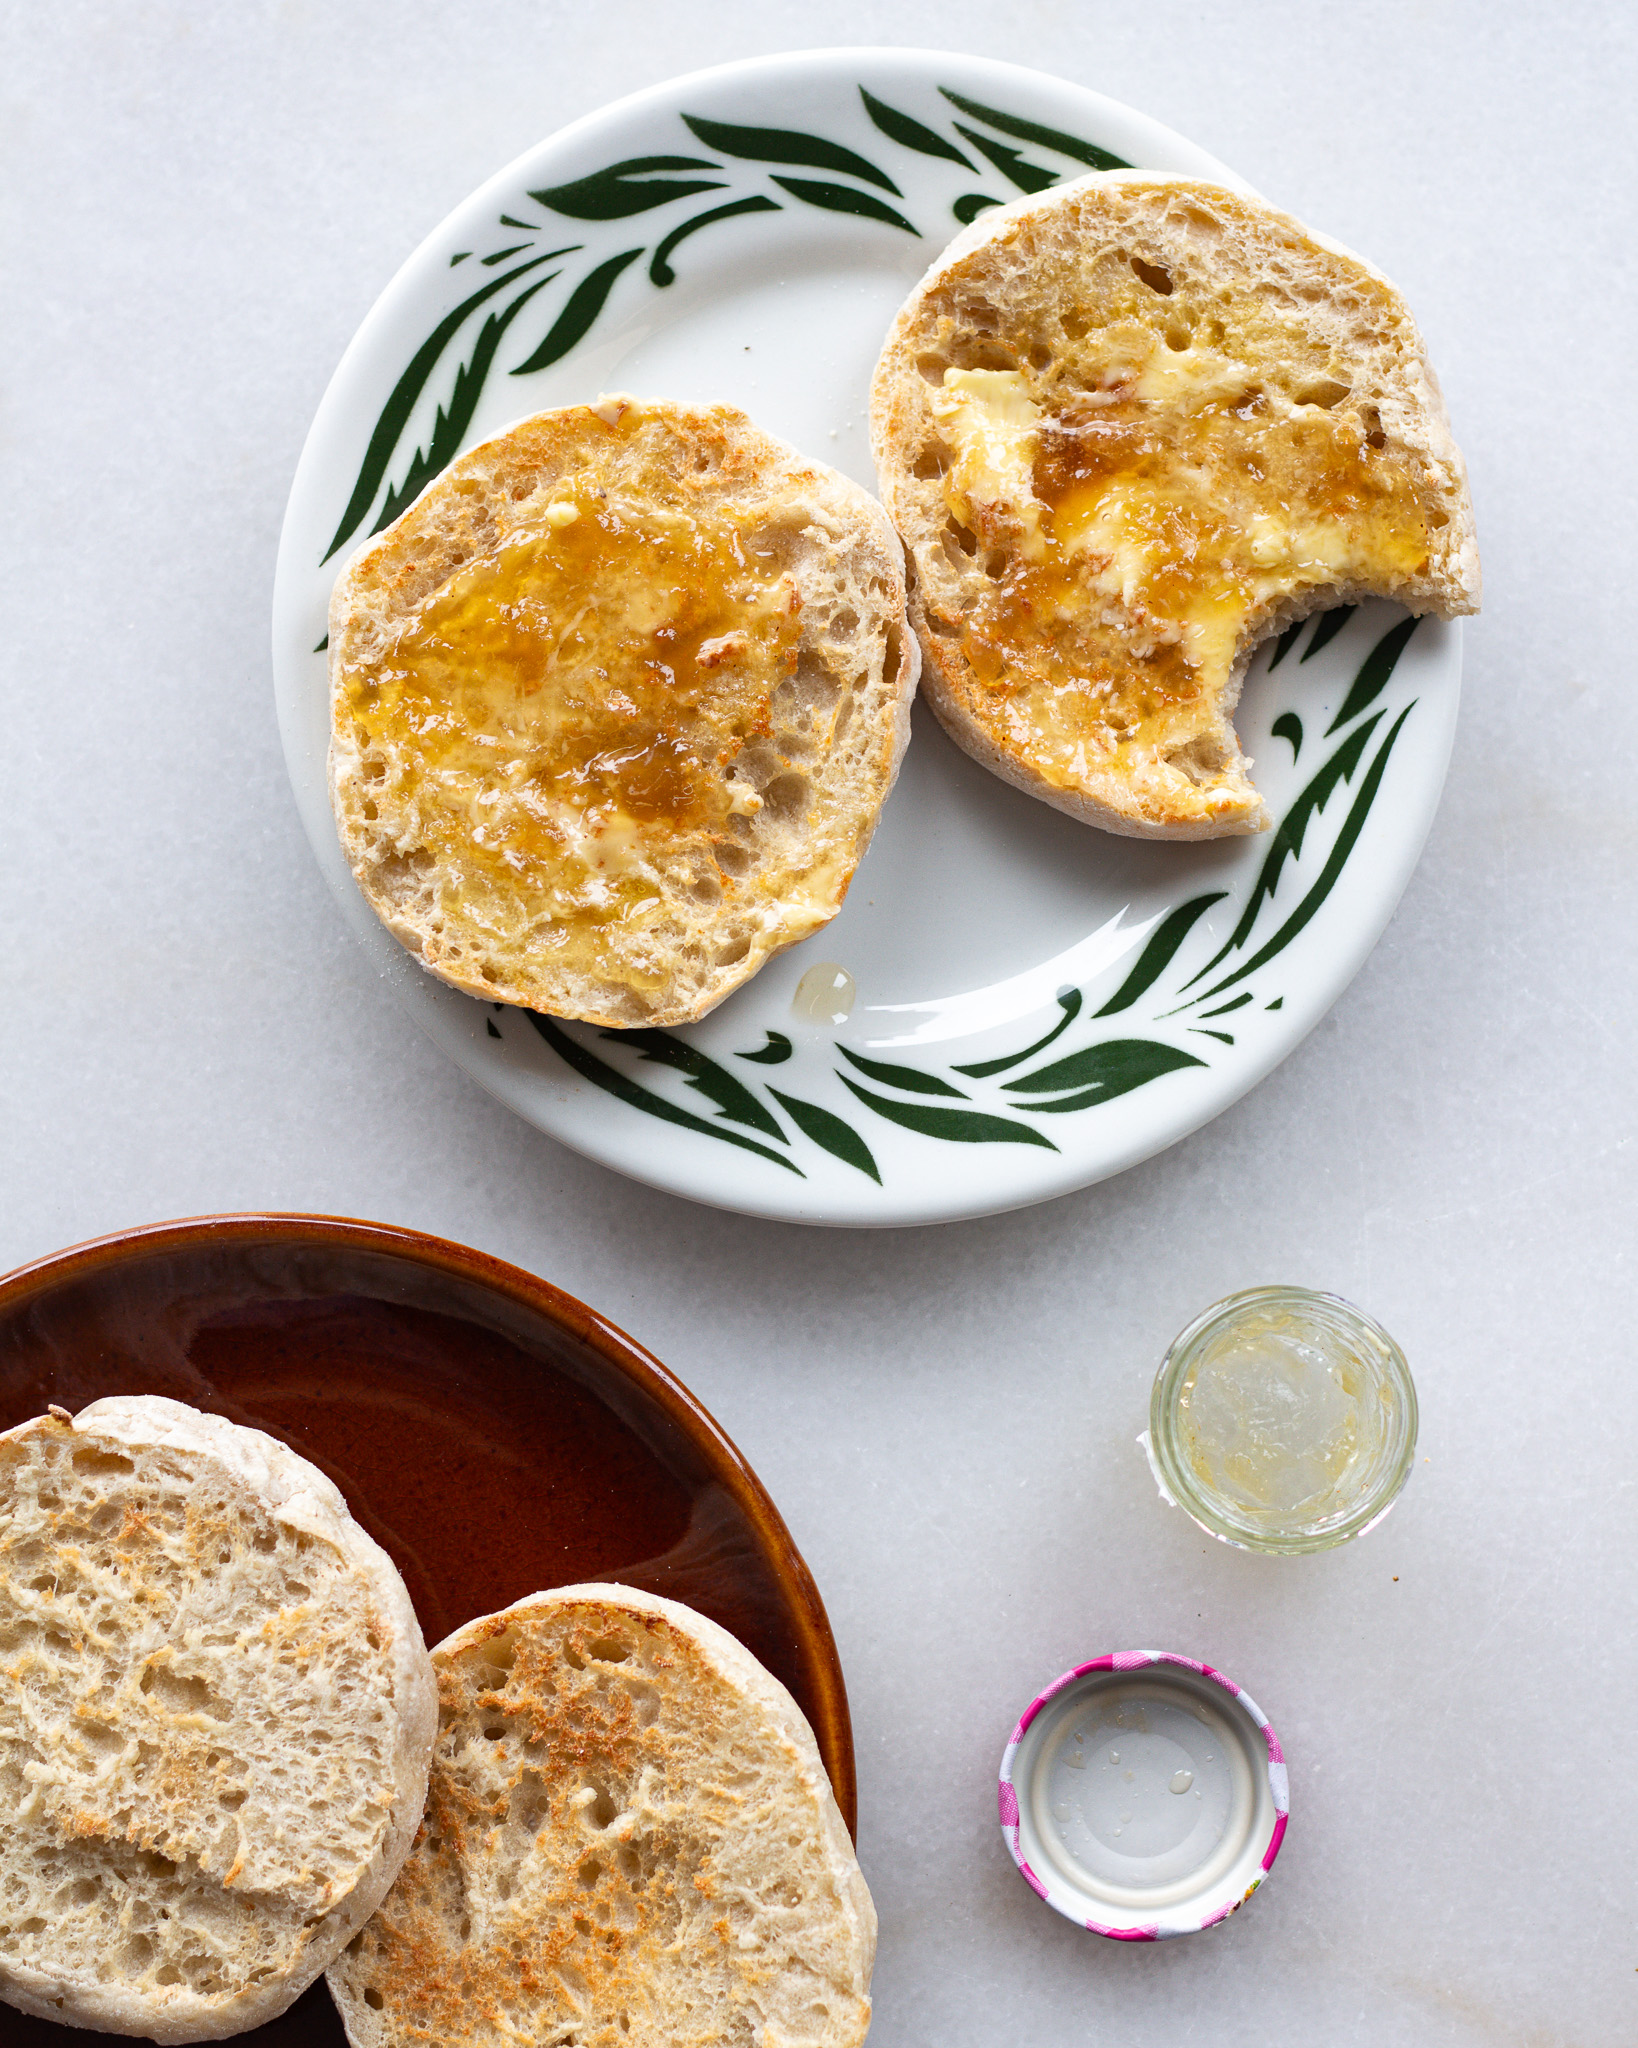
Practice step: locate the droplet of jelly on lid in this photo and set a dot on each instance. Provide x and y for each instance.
(1114, 1756)
(825, 994)
(1125, 1819)
(1061, 1812)
(1182, 1780)
(1076, 1762)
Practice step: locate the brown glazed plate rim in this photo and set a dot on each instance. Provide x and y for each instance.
(826, 1706)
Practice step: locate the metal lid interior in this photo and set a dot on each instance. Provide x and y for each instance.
(1147, 1796)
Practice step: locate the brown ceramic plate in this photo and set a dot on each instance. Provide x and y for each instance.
(494, 1435)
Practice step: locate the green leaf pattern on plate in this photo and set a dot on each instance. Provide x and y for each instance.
(1087, 154)
(472, 334)
(1158, 954)
(1372, 679)
(601, 1075)
(1283, 646)
(833, 1134)
(845, 199)
(1113, 1067)
(1010, 162)
(774, 1053)
(572, 325)
(911, 1079)
(1330, 625)
(910, 133)
(619, 192)
(660, 270)
(1069, 1001)
(733, 1099)
(789, 146)
(641, 186)
(955, 1126)
(395, 414)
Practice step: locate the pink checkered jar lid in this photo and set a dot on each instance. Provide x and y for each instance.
(1144, 1795)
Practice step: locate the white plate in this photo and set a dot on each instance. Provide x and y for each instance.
(746, 234)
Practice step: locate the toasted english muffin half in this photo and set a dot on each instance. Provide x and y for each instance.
(216, 1717)
(615, 705)
(630, 1842)
(1128, 428)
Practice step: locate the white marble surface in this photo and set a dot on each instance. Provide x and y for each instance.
(201, 202)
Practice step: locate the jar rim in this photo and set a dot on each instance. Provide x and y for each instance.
(1177, 1479)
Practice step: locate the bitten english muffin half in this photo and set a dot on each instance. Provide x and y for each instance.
(1129, 428)
(216, 1718)
(630, 1842)
(615, 705)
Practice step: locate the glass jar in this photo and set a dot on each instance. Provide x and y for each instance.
(1283, 1420)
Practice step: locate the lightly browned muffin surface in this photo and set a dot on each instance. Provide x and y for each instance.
(630, 1842)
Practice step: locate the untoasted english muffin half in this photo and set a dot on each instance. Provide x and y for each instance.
(615, 705)
(630, 1842)
(216, 1717)
(1128, 428)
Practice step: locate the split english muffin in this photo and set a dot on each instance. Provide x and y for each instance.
(1129, 428)
(630, 1842)
(615, 705)
(216, 1717)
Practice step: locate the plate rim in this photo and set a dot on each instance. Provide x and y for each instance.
(916, 1200)
(245, 1229)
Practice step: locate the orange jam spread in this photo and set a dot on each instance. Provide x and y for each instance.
(1131, 533)
(564, 710)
